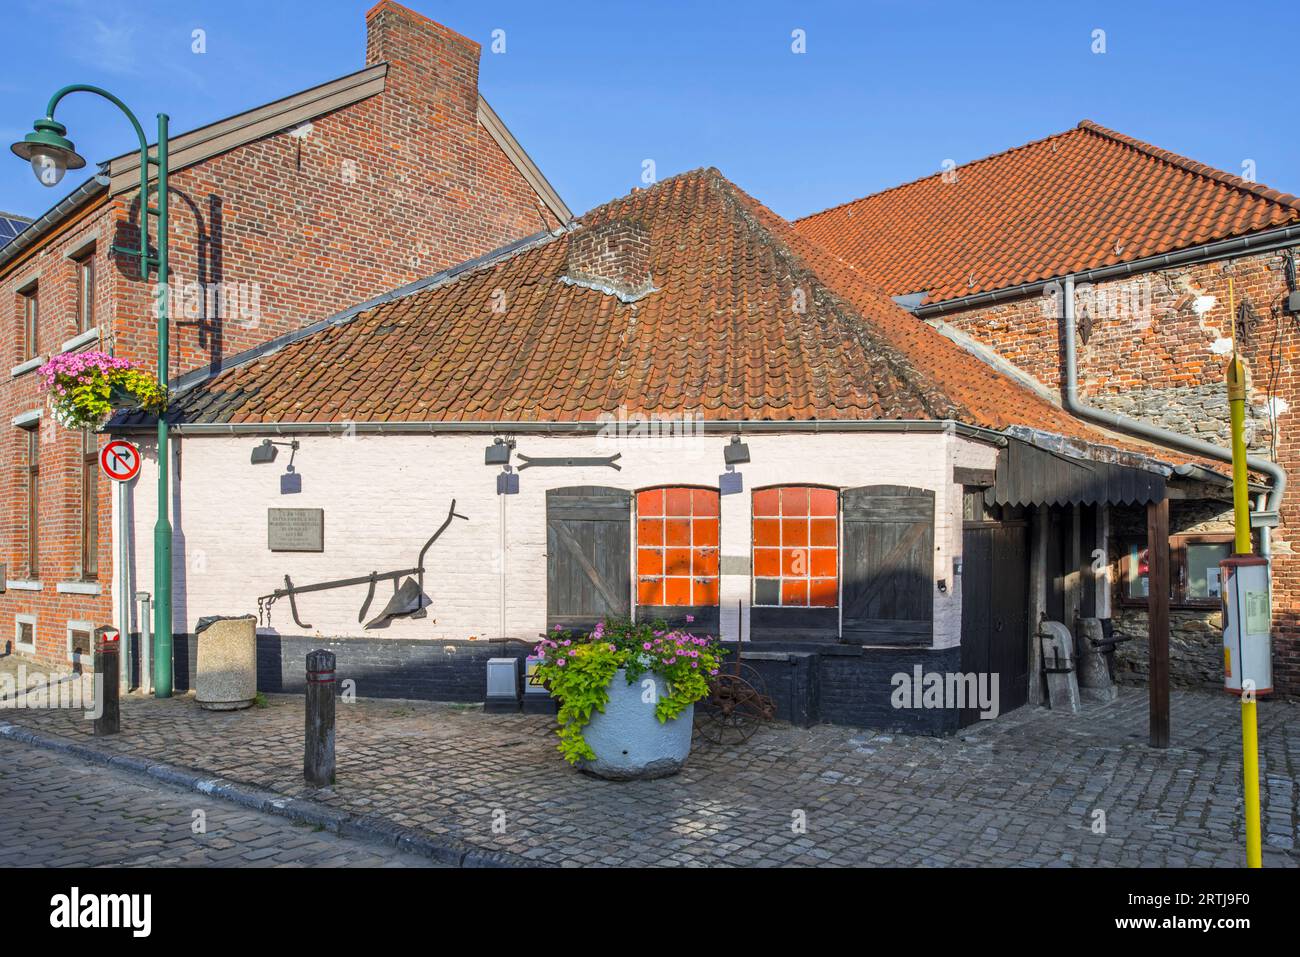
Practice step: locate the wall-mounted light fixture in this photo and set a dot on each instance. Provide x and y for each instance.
(267, 451)
(735, 452)
(498, 453)
(290, 481)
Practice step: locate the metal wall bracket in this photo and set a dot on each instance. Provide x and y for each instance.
(607, 461)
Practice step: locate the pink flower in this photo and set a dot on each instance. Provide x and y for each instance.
(690, 619)
(560, 662)
(645, 645)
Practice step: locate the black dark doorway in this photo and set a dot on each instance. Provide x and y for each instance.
(995, 610)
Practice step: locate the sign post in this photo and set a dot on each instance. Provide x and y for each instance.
(1244, 591)
(120, 461)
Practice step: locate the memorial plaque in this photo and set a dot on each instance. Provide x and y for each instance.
(295, 529)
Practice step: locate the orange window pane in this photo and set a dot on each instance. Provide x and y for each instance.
(650, 591)
(677, 501)
(767, 562)
(677, 561)
(767, 531)
(677, 531)
(767, 502)
(650, 531)
(706, 532)
(677, 591)
(704, 502)
(822, 563)
(649, 561)
(794, 591)
(794, 501)
(704, 591)
(822, 592)
(651, 502)
(705, 561)
(822, 531)
(795, 562)
(794, 531)
(822, 501)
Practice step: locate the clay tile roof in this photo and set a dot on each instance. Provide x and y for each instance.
(749, 320)
(1084, 198)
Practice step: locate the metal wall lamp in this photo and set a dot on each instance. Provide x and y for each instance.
(498, 453)
(736, 452)
(267, 451)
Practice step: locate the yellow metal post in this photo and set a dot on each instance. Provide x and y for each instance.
(1236, 379)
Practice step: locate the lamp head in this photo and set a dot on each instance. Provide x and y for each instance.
(735, 452)
(266, 452)
(498, 453)
(49, 151)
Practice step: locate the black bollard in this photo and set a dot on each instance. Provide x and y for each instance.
(318, 754)
(107, 681)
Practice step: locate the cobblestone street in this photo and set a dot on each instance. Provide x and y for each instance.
(57, 811)
(1023, 790)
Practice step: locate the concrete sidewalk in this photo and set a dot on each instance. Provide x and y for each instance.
(489, 789)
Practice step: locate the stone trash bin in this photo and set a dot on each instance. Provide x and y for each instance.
(226, 673)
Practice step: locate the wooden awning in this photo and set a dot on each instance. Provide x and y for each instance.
(1029, 475)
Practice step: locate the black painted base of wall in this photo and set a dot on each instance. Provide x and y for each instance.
(810, 683)
(850, 685)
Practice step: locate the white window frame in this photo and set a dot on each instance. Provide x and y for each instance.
(88, 627)
(19, 621)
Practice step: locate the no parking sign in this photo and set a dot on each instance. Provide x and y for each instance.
(120, 461)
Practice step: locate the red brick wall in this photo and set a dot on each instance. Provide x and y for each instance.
(374, 195)
(1157, 361)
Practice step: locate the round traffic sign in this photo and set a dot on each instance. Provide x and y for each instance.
(120, 460)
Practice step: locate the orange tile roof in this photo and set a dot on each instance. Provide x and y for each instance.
(720, 337)
(1077, 200)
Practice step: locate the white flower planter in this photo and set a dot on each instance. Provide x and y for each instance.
(628, 738)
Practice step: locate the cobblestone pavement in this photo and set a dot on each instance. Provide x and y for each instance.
(1022, 790)
(57, 811)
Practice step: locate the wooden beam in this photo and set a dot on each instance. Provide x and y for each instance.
(1158, 621)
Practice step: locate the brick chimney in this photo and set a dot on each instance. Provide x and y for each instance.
(432, 81)
(613, 257)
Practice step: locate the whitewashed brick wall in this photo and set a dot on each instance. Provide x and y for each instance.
(383, 496)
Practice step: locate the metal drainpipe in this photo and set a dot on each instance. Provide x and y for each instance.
(1123, 423)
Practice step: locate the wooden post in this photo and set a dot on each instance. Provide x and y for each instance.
(318, 752)
(1158, 620)
(1038, 539)
(107, 682)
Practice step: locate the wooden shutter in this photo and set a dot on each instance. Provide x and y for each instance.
(588, 556)
(888, 565)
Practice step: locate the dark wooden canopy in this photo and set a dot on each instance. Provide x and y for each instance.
(1029, 475)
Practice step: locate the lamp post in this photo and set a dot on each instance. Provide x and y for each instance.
(52, 154)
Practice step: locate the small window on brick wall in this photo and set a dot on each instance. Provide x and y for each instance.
(81, 642)
(677, 547)
(30, 305)
(796, 547)
(86, 291)
(25, 633)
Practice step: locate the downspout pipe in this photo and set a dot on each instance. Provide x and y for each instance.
(1123, 423)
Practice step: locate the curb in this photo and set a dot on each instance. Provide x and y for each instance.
(372, 828)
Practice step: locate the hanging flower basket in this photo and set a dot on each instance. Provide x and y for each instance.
(85, 388)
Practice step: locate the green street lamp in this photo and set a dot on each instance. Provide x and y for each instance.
(52, 154)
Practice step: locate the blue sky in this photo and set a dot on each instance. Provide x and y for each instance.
(885, 92)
